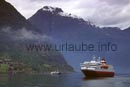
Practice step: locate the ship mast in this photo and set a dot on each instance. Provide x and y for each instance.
(94, 58)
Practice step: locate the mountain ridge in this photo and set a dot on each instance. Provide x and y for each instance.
(48, 18)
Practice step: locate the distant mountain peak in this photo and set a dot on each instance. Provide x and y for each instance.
(55, 10)
(58, 11)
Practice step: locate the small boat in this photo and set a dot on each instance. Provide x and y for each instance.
(55, 73)
(97, 68)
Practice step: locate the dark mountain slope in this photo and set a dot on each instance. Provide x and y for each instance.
(15, 33)
(10, 17)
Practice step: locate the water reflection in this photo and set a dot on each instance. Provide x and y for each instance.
(38, 80)
(94, 78)
(64, 80)
(117, 81)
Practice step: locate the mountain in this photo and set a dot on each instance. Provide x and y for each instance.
(16, 33)
(9, 16)
(66, 28)
(56, 23)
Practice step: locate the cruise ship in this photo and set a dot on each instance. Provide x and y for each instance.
(97, 68)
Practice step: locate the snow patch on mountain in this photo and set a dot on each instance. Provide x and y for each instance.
(46, 8)
(59, 11)
(68, 15)
(52, 9)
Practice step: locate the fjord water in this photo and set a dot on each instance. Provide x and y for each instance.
(64, 80)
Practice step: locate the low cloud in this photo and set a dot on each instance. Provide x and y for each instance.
(24, 34)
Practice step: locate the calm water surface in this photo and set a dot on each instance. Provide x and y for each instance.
(64, 80)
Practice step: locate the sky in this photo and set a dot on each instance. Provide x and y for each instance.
(104, 13)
